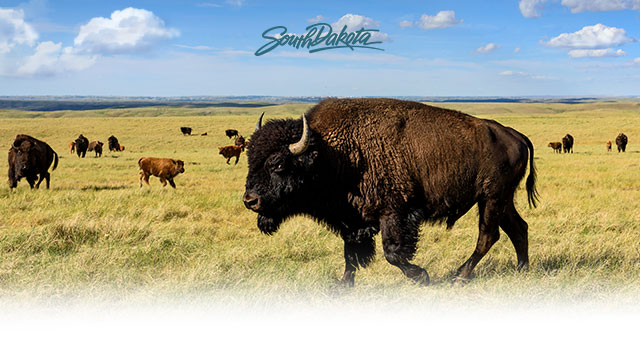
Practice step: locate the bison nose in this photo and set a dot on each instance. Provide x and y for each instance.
(251, 201)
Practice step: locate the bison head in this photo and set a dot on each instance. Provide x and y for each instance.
(179, 166)
(21, 149)
(281, 160)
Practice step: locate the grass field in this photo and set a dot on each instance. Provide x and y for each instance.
(96, 235)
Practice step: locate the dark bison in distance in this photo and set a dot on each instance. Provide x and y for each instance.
(567, 143)
(164, 168)
(231, 133)
(114, 145)
(369, 165)
(82, 145)
(186, 131)
(96, 146)
(621, 142)
(556, 146)
(30, 158)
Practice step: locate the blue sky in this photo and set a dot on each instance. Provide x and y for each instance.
(431, 48)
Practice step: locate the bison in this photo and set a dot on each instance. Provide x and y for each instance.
(164, 168)
(72, 147)
(368, 165)
(567, 143)
(186, 131)
(121, 148)
(203, 134)
(30, 158)
(231, 151)
(114, 145)
(82, 144)
(621, 142)
(231, 133)
(556, 146)
(240, 142)
(608, 146)
(96, 146)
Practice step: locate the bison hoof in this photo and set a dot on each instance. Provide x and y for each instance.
(422, 278)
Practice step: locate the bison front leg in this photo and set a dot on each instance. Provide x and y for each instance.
(171, 182)
(31, 180)
(237, 158)
(399, 240)
(356, 254)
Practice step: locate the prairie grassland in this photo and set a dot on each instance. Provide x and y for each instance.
(96, 235)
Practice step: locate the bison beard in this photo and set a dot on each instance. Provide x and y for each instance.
(363, 166)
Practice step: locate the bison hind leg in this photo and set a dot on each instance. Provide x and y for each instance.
(399, 240)
(163, 181)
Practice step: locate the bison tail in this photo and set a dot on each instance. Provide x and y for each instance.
(532, 191)
(55, 161)
(139, 160)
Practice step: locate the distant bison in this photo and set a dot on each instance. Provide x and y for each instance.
(567, 143)
(96, 146)
(121, 147)
(203, 134)
(82, 144)
(608, 146)
(621, 142)
(231, 151)
(240, 142)
(556, 146)
(186, 131)
(164, 168)
(114, 145)
(30, 158)
(231, 133)
(72, 147)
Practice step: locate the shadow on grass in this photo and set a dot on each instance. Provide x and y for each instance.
(104, 188)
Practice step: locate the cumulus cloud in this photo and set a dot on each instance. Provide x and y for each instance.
(608, 52)
(317, 19)
(489, 47)
(591, 37)
(531, 8)
(441, 20)
(51, 59)
(405, 23)
(355, 22)
(128, 30)
(14, 30)
(578, 6)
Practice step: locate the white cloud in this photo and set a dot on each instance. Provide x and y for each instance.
(14, 30)
(489, 47)
(405, 23)
(128, 30)
(591, 37)
(608, 52)
(516, 49)
(636, 60)
(194, 47)
(524, 75)
(355, 22)
(51, 59)
(441, 20)
(317, 19)
(512, 73)
(237, 3)
(578, 6)
(531, 8)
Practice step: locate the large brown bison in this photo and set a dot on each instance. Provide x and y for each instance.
(96, 146)
(567, 143)
(369, 165)
(30, 158)
(556, 146)
(231, 151)
(164, 168)
(82, 145)
(621, 142)
(114, 145)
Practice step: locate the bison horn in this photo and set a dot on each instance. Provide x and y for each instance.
(301, 146)
(259, 124)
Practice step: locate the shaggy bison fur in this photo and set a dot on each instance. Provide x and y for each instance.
(30, 158)
(369, 165)
(82, 145)
(621, 142)
(567, 143)
(96, 146)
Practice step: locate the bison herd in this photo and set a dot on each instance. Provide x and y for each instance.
(566, 145)
(362, 167)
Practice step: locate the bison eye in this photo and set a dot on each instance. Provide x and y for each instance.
(279, 168)
(276, 164)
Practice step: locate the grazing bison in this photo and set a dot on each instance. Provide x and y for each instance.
(203, 134)
(369, 165)
(608, 146)
(114, 145)
(30, 158)
(82, 144)
(556, 146)
(231, 133)
(96, 146)
(621, 142)
(567, 143)
(240, 142)
(164, 168)
(231, 151)
(72, 147)
(186, 131)
(121, 147)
